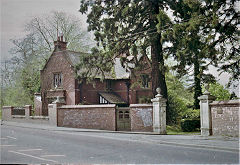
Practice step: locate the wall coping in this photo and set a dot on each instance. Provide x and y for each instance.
(225, 102)
(39, 117)
(140, 105)
(4, 107)
(18, 116)
(88, 106)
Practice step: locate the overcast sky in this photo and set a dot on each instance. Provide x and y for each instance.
(15, 13)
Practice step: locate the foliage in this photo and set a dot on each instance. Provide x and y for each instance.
(30, 80)
(219, 91)
(189, 125)
(144, 99)
(15, 96)
(127, 28)
(187, 43)
(180, 99)
(205, 33)
(233, 96)
(191, 114)
(31, 52)
(223, 24)
(177, 130)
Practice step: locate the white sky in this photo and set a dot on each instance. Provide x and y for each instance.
(15, 13)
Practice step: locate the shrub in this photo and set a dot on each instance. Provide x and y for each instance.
(191, 114)
(189, 125)
(144, 99)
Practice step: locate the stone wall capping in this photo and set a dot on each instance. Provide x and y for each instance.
(6, 107)
(18, 116)
(40, 117)
(207, 97)
(88, 106)
(140, 105)
(225, 103)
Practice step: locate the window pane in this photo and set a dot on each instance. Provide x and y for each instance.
(126, 115)
(120, 114)
(57, 80)
(145, 80)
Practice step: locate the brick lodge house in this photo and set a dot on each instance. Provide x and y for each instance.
(58, 79)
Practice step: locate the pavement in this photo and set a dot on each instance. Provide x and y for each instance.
(224, 143)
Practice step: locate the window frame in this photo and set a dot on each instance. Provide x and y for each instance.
(102, 100)
(145, 81)
(57, 80)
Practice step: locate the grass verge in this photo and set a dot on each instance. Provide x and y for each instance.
(176, 130)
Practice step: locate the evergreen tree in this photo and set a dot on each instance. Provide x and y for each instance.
(188, 46)
(222, 27)
(205, 33)
(128, 27)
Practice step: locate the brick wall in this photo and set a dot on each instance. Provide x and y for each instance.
(141, 117)
(89, 92)
(87, 116)
(8, 115)
(225, 117)
(57, 63)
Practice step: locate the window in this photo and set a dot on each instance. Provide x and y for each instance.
(145, 81)
(126, 115)
(120, 115)
(108, 85)
(102, 100)
(57, 80)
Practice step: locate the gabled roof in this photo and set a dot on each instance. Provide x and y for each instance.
(72, 57)
(119, 72)
(112, 97)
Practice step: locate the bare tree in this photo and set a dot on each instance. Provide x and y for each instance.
(31, 52)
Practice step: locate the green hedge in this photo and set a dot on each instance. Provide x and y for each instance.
(189, 125)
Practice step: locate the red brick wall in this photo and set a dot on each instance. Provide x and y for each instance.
(88, 116)
(225, 117)
(89, 92)
(57, 63)
(120, 87)
(137, 91)
(141, 117)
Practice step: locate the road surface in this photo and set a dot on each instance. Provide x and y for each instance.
(26, 145)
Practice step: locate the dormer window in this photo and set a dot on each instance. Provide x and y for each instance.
(102, 100)
(57, 80)
(108, 85)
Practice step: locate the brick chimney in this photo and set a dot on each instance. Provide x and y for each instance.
(60, 45)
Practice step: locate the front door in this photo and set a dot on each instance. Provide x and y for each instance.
(123, 119)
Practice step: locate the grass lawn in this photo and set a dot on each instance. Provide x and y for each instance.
(176, 130)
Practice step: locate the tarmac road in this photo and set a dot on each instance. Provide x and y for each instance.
(34, 146)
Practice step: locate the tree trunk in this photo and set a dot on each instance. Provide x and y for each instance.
(197, 83)
(158, 75)
(158, 72)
